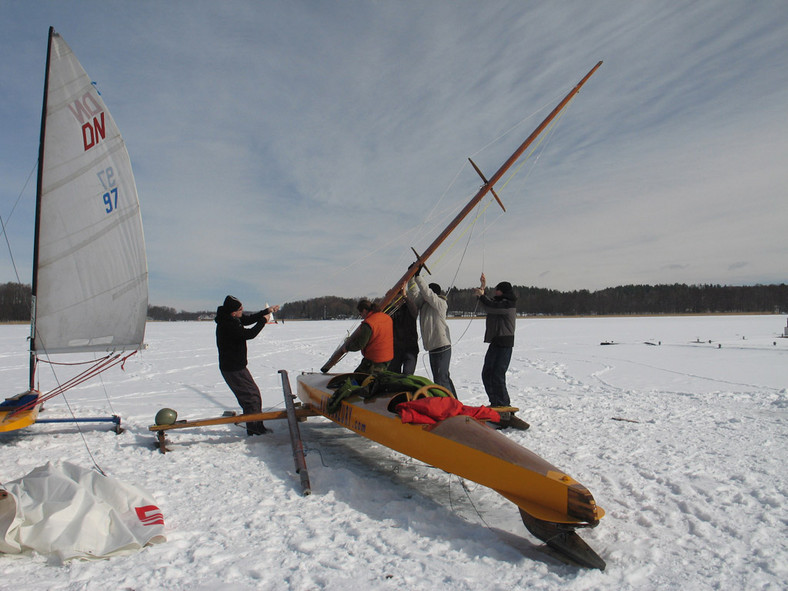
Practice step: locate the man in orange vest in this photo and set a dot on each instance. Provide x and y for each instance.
(375, 339)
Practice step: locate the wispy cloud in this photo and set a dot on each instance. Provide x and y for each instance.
(276, 145)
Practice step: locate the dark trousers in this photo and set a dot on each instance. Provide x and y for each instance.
(248, 395)
(439, 364)
(496, 362)
(404, 362)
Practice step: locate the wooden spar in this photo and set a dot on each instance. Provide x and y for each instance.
(392, 293)
(426, 268)
(484, 178)
(389, 297)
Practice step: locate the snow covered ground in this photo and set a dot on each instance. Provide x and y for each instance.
(693, 481)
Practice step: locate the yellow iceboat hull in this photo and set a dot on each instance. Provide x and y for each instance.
(11, 419)
(466, 447)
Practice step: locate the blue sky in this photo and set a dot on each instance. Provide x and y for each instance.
(287, 150)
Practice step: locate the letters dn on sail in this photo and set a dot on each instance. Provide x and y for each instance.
(87, 111)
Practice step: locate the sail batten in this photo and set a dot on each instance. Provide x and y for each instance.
(91, 273)
(91, 235)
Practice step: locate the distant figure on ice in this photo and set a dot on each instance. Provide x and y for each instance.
(231, 337)
(435, 334)
(499, 333)
(375, 339)
(406, 336)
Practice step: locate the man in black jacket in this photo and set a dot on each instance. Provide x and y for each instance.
(406, 336)
(499, 333)
(231, 337)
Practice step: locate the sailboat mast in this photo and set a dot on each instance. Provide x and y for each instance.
(488, 185)
(486, 188)
(39, 188)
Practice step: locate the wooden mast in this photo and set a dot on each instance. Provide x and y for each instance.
(486, 188)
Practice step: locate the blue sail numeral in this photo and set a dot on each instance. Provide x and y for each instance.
(111, 200)
(107, 178)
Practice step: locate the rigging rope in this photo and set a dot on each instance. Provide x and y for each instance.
(416, 231)
(542, 142)
(106, 394)
(8, 219)
(546, 105)
(84, 439)
(482, 210)
(527, 157)
(98, 367)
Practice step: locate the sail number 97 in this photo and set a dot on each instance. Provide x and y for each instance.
(108, 181)
(111, 200)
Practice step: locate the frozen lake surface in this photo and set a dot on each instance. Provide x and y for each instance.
(693, 481)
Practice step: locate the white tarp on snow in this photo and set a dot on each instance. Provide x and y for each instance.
(63, 510)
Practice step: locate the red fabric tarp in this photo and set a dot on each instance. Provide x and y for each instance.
(428, 411)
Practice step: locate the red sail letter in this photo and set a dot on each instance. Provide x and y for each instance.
(93, 134)
(87, 137)
(101, 129)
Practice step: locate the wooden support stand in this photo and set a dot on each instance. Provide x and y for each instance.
(300, 413)
(292, 413)
(295, 434)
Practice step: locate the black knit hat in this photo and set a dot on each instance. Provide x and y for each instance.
(232, 304)
(504, 287)
(436, 288)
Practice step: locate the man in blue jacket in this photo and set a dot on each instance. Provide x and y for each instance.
(231, 337)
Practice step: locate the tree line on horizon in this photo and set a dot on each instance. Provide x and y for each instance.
(678, 298)
(625, 299)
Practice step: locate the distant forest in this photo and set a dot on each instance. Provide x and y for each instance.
(626, 299)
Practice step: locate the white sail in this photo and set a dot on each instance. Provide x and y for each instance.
(92, 276)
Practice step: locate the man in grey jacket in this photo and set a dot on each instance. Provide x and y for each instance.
(435, 335)
(499, 333)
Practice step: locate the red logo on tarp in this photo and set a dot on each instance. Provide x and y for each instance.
(150, 515)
